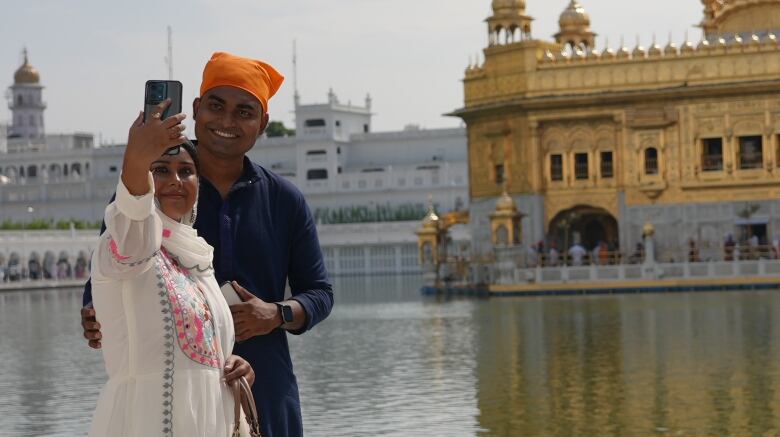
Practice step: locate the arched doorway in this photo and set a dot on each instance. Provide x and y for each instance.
(586, 225)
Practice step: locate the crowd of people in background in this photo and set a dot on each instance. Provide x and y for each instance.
(50, 268)
(547, 254)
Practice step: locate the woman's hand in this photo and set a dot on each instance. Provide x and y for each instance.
(236, 367)
(146, 142)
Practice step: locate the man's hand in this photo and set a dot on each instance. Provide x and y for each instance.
(253, 316)
(91, 327)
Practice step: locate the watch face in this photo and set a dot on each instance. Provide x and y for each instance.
(287, 313)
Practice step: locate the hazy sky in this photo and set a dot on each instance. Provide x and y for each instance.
(95, 55)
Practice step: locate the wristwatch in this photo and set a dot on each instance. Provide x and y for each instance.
(286, 313)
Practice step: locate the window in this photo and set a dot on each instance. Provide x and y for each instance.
(712, 154)
(315, 122)
(427, 167)
(606, 165)
(373, 170)
(378, 183)
(581, 166)
(401, 182)
(418, 181)
(651, 161)
(316, 152)
(751, 152)
(112, 169)
(365, 128)
(32, 171)
(316, 174)
(338, 123)
(556, 167)
(499, 174)
(345, 184)
(361, 184)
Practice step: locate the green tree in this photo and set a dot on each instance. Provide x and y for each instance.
(277, 129)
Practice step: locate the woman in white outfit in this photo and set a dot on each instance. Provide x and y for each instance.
(167, 331)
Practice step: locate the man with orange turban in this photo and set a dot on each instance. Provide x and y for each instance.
(262, 232)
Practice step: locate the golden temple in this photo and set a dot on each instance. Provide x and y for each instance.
(593, 144)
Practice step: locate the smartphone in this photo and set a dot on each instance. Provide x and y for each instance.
(230, 294)
(159, 90)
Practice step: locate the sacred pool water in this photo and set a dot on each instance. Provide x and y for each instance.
(391, 362)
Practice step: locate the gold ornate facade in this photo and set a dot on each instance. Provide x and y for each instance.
(616, 138)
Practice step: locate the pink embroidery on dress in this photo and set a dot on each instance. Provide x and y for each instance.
(194, 325)
(115, 251)
(166, 233)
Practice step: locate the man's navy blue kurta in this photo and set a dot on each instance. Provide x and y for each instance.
(263, 236)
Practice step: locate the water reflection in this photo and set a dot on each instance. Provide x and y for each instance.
(699, 364)
(389, 362)
(49, 379)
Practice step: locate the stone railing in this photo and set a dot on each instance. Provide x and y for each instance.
(721, 45)
(623, 272)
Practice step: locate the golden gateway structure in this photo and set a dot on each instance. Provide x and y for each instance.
(602, 142)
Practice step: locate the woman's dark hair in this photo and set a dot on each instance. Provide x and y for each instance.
(190, 148)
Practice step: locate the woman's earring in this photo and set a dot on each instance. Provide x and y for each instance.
(194, 213)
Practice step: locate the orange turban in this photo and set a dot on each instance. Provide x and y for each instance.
(253, 76)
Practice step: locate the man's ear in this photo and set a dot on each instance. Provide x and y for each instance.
(263, 124)
(195, 106)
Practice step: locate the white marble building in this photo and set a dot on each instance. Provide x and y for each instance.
(350, 175)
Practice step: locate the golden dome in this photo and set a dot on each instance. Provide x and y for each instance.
(508, 6)
(739, 16)
(670, 49)
(431, 220)
(648, 230)
(639, 51)
(574, 16)
(654, 50)
(506, 203)
(27, 73)
(623, 52)
(687, 47)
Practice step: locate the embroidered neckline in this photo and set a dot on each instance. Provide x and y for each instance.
(194, 322)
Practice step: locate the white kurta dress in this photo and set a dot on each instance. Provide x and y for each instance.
(167, 330)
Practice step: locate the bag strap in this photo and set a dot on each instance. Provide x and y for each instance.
(235, 387)
(242, 397)
(250, 409)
